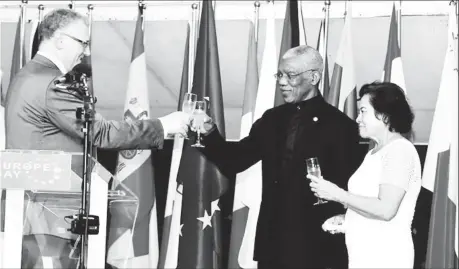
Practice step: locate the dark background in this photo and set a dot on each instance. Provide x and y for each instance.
(162, 159)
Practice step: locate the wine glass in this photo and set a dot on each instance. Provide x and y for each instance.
(313, 168)
(189, 103)
(198, 121)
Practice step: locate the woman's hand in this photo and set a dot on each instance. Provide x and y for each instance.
(325, 189)
(334, 224)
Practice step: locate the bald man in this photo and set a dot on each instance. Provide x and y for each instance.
(289, 233)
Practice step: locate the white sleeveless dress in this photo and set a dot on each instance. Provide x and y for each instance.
(384, 244)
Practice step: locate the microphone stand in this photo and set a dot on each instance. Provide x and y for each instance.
(85, 113)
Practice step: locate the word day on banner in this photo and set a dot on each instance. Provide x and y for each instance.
(37, 171)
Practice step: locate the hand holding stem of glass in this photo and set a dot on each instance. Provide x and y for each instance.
(199, 116)
(189, 103)
(313, 168)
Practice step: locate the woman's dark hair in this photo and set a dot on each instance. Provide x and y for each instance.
(390, 103)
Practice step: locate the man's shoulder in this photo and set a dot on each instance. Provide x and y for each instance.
(37, 75)
(338, 117)
(275, 110)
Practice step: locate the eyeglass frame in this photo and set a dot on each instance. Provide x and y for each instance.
(85, 44)
(290, 77)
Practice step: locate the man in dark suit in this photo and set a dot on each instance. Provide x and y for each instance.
(42, 116)
(289, 233)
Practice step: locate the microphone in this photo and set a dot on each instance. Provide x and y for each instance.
(79, 72)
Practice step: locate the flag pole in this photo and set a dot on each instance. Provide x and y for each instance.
(327, 18)
(454, 2)
(197, 22)
(399, 25)
(256, 4)
(72, 5)
(90, 9)
(142, 8)
(193, 40)
(326, 9)
(21, 32)
(35, 33)
(40, 12)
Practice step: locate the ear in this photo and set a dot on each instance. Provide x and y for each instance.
(58, 42)
(315, 78)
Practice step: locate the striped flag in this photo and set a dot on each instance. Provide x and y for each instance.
(343, 88)
(440, 173)
(200, 243)
(325, 81)
(171, 227)
(393, 68)
(293, 35)
(138, 245)
(240, 210)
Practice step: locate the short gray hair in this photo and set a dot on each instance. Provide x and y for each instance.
(312, 56)
(58, 19)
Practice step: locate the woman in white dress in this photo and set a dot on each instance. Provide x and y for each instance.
(382, 193)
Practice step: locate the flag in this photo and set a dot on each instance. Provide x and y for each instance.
(2, 120)
(203, 184)
(19, 56)
(293, 35)
(35, 38)
(2, 109)
(136, 172)
(171, 226)
(267, 85)
(249, 183)
(325, 81)
(240, 210)
(440, 173)
(343, 88)
(393, 68)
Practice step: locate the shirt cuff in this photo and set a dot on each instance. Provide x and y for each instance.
(165, 127)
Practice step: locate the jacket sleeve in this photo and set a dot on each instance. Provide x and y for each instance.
(346, 154)
(61, 106)
(234, 157)
(345, 160)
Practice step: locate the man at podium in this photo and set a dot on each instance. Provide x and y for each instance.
(40, 115)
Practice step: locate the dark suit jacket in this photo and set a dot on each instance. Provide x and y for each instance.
(289, 225)
(39, 116)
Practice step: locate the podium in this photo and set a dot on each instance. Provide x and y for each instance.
(41, 192)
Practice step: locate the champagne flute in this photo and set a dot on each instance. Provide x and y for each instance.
(198, 121)
(313, 168)
(189, 103)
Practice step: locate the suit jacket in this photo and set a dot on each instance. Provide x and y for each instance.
(289, 225)
(40, 116)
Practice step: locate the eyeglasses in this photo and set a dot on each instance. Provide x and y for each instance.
(290, 76)
(85, 44)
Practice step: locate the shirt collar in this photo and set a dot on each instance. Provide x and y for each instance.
(311, 103)
(55, 61)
